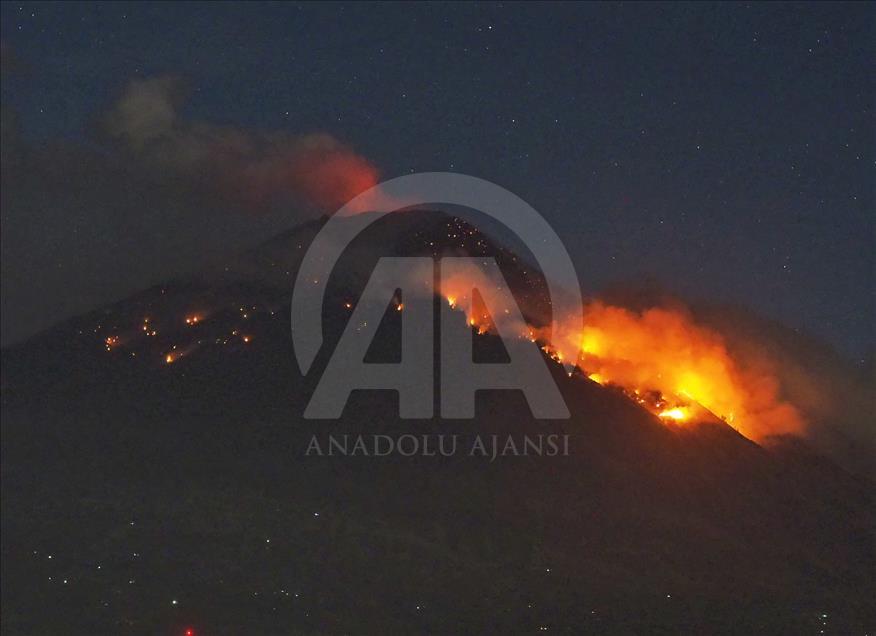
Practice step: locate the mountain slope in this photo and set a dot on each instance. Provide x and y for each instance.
(157, 482)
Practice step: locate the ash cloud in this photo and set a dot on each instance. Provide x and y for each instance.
(151, 195)
(254, 168)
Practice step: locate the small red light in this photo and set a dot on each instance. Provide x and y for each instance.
(190, 632)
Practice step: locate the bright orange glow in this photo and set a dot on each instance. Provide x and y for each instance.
(169, 358)
(664, 353)
(318, 168)
(247, 339)
(661, 358)
(400, 307)
(193, 319)
(677, 414)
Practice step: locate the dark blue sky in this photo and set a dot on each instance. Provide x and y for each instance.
(725, 150)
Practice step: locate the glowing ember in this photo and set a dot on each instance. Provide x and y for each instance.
(664, 352)
(677, 414)
(660, 358)
(174, 355)
(147, 329)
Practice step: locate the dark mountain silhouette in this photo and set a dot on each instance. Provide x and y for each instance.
(154, 483)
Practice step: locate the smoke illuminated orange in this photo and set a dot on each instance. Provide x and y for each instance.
(323, 171)
(661, 358)
(663, 350)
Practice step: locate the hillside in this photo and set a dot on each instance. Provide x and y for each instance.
(154, 483)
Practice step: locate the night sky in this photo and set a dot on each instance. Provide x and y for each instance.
(726, 151)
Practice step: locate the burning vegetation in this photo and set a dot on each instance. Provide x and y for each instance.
(182, 333)
(661, 358)
(665, 352)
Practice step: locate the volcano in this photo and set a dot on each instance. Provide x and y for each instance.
(155, 480)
